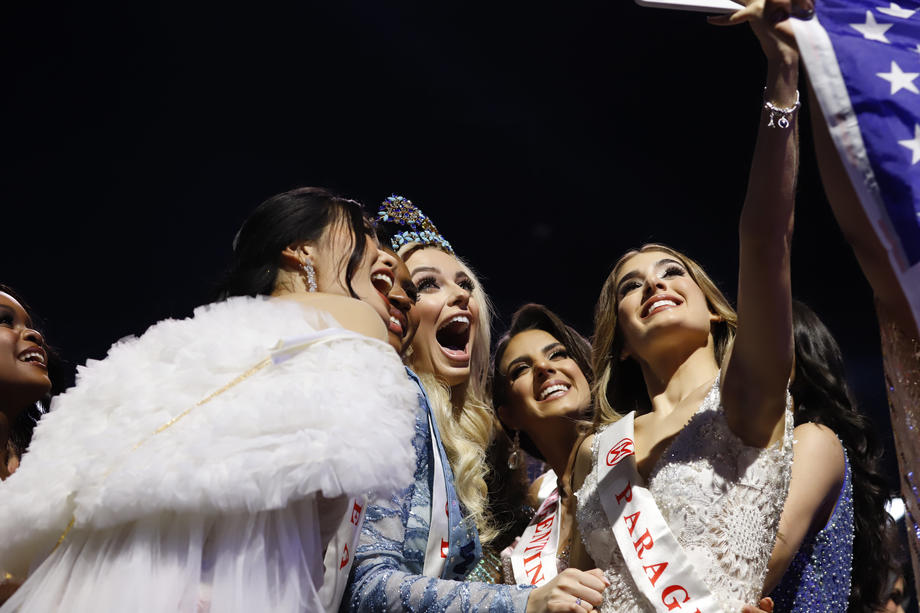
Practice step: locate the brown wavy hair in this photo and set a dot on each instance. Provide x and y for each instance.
(619, 386)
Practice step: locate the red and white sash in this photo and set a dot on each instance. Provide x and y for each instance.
(655, 559)
(533, 559)
(439, 528)
(340, 555)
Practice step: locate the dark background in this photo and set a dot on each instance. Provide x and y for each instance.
(544, 140)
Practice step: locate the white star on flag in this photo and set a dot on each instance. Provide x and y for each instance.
(872, 30)
(897, 11)
(913, 144)
(917, 50)
(900, 80)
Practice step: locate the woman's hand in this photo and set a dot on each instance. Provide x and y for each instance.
(571, 590)
(765, 606)
(769, 20)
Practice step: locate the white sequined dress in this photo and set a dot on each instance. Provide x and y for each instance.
(722, 500)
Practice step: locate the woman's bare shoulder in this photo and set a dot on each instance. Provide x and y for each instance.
(351, 313)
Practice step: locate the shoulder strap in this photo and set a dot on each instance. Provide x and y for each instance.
(656, 561)
(287, 348)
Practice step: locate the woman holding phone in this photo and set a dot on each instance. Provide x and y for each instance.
(683, 483)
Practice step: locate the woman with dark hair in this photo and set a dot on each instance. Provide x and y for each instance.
(25, 378)
(541, 390)
(219, 463)
(835, 512)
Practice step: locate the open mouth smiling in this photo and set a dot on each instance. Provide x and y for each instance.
(35, 356)
(454, 336)
(659, 303)
(398, 323)
(553, 389)
(383, 281)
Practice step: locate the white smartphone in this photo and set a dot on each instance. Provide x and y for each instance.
(703, 6)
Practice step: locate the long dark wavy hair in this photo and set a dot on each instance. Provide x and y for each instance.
(58, 371)
(538, 317)
(822, 396)
(290, 218)
(508, 488)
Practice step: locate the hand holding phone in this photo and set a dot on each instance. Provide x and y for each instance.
(713, 7)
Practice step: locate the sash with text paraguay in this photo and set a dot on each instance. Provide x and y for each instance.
(656, 561)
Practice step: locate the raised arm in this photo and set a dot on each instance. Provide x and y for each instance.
(757, 371)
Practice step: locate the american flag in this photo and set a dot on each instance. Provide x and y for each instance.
(863, 59)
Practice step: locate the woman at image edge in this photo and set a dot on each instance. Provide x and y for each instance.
(209, 449)
(714, 450)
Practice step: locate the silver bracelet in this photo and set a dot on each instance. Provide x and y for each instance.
(779, 117)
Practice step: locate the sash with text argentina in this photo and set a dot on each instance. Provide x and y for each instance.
(533, 559)
(655, 559)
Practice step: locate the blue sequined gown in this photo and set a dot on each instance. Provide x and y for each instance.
(818, 579)
(387, 573)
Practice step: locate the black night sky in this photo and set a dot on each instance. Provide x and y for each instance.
(543, 139)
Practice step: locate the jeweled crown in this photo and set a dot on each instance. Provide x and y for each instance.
(399, 211)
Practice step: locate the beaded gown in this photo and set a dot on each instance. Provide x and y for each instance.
(722, 500)
(818, 579)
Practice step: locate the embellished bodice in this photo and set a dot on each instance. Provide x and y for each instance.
(818, 579)
(721, 499)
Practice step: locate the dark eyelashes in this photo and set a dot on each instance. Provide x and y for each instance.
(674, 271)
(558, 354)
(432, 283)
(426, 283)
(671, 271)
(627, 287)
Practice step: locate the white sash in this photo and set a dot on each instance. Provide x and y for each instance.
(438, 530)
(655, 559)
(340, 554)
(533, 559)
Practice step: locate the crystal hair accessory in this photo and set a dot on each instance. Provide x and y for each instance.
(400, 211)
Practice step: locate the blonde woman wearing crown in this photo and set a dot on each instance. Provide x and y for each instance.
(418, 548)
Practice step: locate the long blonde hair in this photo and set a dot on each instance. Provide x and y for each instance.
(467, 428)
(619, 386)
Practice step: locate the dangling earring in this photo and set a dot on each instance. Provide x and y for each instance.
(514, 458)
(311, 276)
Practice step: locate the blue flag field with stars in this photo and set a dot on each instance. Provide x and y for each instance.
(863, 60)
